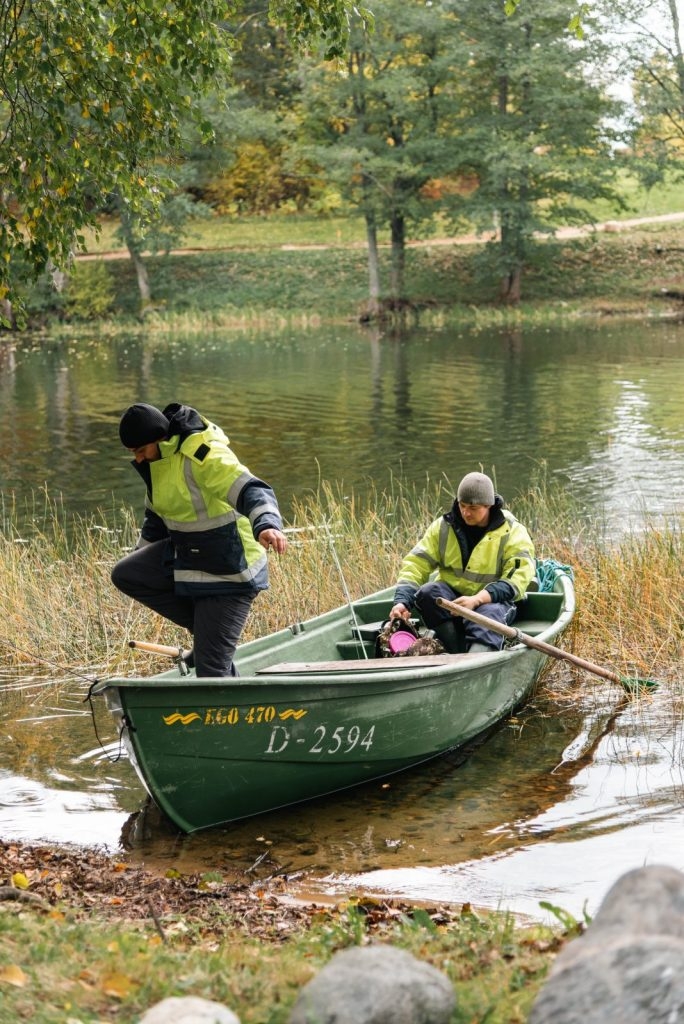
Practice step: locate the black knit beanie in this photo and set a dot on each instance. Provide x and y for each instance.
(142, 424)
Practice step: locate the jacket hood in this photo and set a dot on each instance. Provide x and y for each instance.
(183, 421)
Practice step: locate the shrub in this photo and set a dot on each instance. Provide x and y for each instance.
(89, 294)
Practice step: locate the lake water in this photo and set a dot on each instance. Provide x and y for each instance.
(581, 786)
(601, 408)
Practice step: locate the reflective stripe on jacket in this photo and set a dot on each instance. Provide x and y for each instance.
(504, 553)
(212, 509)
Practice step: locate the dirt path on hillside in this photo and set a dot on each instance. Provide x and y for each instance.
(608, 227)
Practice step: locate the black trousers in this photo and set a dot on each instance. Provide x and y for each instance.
(216, 621)
(433, 615)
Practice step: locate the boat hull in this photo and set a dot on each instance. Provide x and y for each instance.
(214, 751)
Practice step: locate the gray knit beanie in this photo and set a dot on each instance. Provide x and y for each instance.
(142, 424)
(476, 489)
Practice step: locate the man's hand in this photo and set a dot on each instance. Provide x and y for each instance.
(274, 540)
(474, 602)
(400, 611)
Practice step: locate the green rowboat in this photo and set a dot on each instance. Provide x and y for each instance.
(313, 711)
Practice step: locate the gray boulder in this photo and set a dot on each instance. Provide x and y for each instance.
(628, 968)
(188, 1010)
(375, 985)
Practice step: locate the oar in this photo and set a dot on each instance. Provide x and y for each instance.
(168, 652)
(540, 645)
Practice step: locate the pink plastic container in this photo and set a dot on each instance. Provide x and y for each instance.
(400, 641)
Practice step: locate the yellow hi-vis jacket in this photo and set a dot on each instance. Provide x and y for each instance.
(210, 507)
(504, 553)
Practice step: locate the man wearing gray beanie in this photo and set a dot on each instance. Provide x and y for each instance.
(477, 555)
(208, 525)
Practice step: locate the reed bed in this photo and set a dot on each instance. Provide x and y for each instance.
(60, 609)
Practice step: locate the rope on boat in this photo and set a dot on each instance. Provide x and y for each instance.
(548, 569)
(119, 754)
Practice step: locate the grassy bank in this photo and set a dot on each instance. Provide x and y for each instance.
(254, 279)
(280, 229)
(624, 274)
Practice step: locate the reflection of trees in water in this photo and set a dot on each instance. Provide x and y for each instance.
(357, 404)
(390, 350)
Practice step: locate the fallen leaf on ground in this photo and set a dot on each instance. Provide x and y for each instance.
(13, 975)
(117, 985)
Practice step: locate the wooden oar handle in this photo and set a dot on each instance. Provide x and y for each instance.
(145, 645)
(530, 641)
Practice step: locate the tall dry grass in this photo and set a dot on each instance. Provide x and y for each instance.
(58, 606)
(630, 593)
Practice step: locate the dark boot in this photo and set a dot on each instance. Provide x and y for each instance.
(449, 636)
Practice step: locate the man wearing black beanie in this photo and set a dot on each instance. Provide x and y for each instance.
(201, 558)
(142, 424)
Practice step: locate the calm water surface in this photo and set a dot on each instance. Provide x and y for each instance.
(601, 408)
(557, 803)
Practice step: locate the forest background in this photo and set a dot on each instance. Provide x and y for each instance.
(507, 126)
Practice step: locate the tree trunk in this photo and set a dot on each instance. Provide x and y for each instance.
(398, 226)
(511, 281)
(136, 258)
(373, 265)
(7, 318)
(510, 287)
(142, 278)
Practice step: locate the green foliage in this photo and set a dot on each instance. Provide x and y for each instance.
(575, 24)
(259, 182)
(89, 293)
(532, 129)
(653, 58)
(571, 925)
(378, 125)
(92, 93)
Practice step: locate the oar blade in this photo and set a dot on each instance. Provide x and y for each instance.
(636, 685)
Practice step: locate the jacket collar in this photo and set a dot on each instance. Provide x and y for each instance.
(496, 516)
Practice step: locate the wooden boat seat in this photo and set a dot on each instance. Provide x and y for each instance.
(361, 664)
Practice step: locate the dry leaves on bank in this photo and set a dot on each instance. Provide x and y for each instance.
(79, 882)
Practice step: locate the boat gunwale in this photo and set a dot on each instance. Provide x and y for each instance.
(417, 669)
